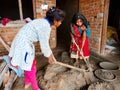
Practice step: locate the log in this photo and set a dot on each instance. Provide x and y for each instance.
(4, 44)
(3, 73)
(1, 58)
(2, 66)
(72, 67)
(11, 80)
(6, 78)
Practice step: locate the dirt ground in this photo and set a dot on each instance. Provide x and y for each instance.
(42, 65)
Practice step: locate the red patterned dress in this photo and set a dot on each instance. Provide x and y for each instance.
(77, 36)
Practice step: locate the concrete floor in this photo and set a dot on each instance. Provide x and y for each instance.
(95, 59)
(112, 57)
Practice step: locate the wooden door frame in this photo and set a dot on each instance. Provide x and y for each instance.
(104, 28)
(34, 8)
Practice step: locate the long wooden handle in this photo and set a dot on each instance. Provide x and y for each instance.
(69, 66)
(87, 63)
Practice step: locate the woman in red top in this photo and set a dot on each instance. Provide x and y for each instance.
(80, 31)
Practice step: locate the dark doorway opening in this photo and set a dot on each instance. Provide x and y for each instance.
(113, 29)
(10, 9)
(63, 36)
(27, 8)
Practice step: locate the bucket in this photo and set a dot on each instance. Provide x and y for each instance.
(109, 66)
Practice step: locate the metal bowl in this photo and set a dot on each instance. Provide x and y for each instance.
(105, 75)
(109, 66)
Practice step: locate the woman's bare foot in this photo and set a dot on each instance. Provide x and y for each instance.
(76, 63)
(27, 87)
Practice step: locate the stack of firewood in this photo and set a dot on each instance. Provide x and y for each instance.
(7, 76)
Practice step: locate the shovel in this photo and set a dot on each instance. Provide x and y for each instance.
(69, 66)
(87, 63)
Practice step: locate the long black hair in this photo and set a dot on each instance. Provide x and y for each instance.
(55, 13)
(77, 16)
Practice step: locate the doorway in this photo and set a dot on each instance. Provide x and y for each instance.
(63, 37)
(10, 9)
(113, 27)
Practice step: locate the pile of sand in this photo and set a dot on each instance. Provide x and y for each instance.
(56, 77)
(104, 75)
(101, 86)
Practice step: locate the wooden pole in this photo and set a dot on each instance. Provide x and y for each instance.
(34, 9)
(104, 26)
(20, 10)
(69, 66)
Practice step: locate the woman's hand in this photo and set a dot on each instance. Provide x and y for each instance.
(83, 28)
(73, 40)
(81, 52)
(51, 59)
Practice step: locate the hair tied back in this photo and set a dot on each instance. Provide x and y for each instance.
(52, 9)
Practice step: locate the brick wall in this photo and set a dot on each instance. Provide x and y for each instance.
(40, 14)
(8, 32)
(38, 3)
(93, 10)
